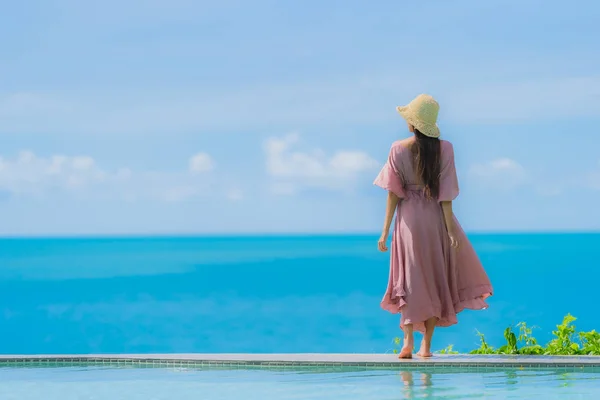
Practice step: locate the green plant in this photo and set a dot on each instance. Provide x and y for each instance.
(484, 348)
(530, 344)
(563, 342)
(590, 342)
(511, 342)
(566, 341)
(524, 343)
(448, 350)
(397, 342)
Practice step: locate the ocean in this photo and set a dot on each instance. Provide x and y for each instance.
(271, 294)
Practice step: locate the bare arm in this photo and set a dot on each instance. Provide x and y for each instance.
(449, 220)
(448, 215)
(390, 209)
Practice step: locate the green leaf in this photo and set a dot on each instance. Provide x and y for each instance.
(566, 341)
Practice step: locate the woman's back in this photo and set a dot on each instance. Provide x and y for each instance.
(403, 165)
(406, 160)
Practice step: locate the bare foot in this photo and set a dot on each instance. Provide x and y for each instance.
(406, 352)
(425, 351)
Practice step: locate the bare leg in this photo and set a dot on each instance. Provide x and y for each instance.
(425, 350)
(409, 342)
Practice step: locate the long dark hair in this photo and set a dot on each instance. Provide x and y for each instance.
(426, 151)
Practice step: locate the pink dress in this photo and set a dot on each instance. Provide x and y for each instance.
(428, 278)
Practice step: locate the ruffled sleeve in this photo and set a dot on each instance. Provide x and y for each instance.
(389, 177)
(448, 178)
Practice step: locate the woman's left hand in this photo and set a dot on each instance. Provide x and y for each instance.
(382, 244)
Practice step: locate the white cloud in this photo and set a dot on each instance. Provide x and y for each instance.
(201, 162)
(31, 174)
(291, 169)
(504, 173)
(508, 174)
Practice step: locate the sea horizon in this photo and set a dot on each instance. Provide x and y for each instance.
(176, 235)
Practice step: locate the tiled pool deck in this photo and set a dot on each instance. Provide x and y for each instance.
(299, 361)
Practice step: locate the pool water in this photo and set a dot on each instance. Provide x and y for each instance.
(183, 384)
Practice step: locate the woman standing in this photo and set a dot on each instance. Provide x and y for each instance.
(434, 271)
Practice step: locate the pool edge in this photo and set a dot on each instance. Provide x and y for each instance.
(389, 361)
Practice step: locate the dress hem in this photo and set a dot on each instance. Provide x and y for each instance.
(472, 298)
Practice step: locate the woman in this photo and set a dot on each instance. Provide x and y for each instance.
(434, 271)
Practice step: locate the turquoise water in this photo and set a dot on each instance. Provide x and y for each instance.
(183, 384)
(264, 294)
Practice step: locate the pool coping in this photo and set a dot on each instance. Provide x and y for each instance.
(365, 361)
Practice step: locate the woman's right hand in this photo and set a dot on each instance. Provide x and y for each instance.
(453, 240)
(382, 243)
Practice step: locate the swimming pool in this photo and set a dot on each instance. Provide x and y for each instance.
(132, 383)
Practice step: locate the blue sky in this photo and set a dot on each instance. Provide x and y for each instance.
(181, 116)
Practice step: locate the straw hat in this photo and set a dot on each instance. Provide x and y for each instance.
(422, 113)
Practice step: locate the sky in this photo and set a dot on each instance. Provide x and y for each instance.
(265, 116)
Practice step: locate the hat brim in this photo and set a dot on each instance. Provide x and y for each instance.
(428, 130)
(402, 109)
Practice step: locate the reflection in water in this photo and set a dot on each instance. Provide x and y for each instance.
(407, 378)
(511, 377)
(566, 378)
(423, 386)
